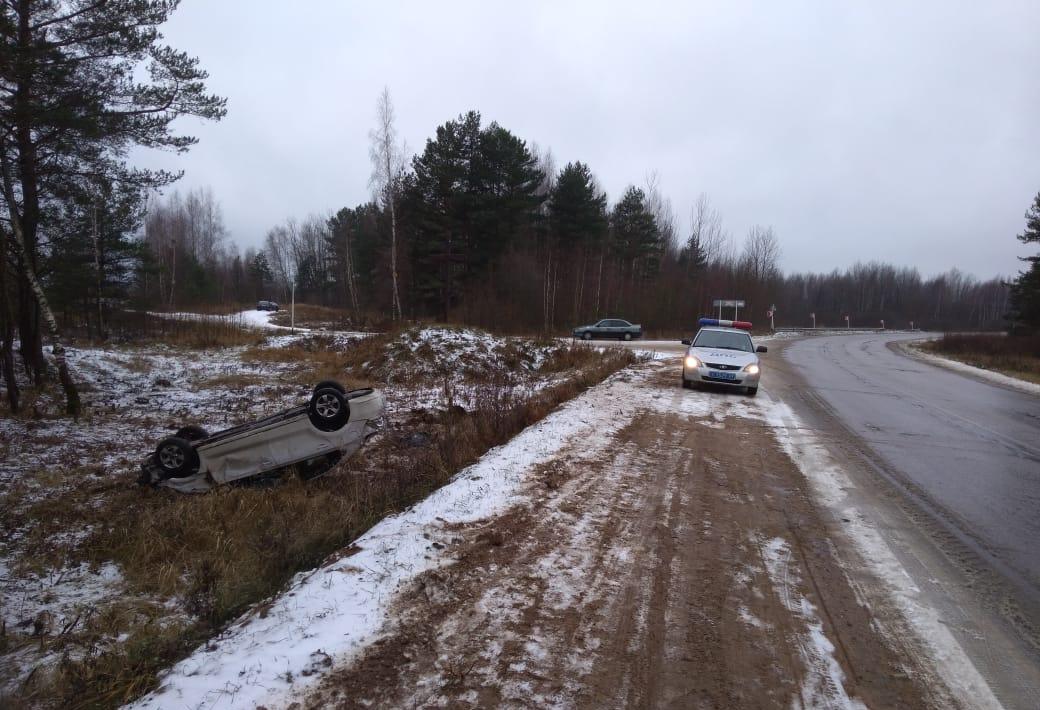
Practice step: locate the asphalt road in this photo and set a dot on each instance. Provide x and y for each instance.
(967, 449)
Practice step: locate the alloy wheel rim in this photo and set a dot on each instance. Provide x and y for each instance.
(171, 457)
(327, 406)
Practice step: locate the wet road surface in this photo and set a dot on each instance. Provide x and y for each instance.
(969, 450)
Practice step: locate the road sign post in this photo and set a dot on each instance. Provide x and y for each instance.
(736, 305)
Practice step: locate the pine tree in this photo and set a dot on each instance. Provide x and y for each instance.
(80, 83)
(637, 237)
(1025, 291)
(473, 193)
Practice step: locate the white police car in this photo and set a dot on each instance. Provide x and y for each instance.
(722, 354)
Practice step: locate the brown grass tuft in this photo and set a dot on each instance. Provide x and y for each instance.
(1015, 355)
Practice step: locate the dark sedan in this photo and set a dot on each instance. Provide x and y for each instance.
(609, 328)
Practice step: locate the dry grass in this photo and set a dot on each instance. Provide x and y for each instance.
(1014, 355)
(218, 554)
(195, 334)
(310, 316)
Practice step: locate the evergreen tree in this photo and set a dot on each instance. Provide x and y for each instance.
(1025, 291)
(577, 211)
(473, 192)
(260, 274)
(81, 82)
(94, 254)
(637, 237)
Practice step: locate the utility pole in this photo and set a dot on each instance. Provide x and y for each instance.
(292, 310)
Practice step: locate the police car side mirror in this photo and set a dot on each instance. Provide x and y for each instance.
(761, 349)
(686, 341)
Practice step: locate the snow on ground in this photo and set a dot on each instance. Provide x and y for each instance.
(824, 686)
(259, 320)
(137, 395)
(980, 372)
(340, 608)
(833, 486)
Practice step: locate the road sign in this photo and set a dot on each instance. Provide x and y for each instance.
(719, 303)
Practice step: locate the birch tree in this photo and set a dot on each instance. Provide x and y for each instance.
(387, 168)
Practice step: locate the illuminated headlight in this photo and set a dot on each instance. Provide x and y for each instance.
(751, 369)
(692, 362)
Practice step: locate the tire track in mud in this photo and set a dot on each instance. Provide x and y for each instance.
(638, 579)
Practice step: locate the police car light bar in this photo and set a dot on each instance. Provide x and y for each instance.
(742, 324)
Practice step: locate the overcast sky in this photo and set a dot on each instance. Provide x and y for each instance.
(901, 131)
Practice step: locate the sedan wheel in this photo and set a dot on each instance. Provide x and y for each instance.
(586, 335)
(328, 410)
(176, 457)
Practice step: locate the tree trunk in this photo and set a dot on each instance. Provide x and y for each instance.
(99, 276)
(72, 401)
(7, 334)
(395, 309)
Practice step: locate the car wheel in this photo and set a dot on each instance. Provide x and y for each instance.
(192, 432)
(330, 383)
(628, 336)
(176, 457)
(752, 391)
(328, 410)
(686, 384)
(586, 335)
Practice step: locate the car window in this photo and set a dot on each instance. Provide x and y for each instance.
(723, 340)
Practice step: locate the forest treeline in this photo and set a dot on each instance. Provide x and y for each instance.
(480, 227)
(488, 231)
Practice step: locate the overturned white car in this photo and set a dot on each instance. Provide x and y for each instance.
(334, 424)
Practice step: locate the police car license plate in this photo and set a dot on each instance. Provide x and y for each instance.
(721, 375)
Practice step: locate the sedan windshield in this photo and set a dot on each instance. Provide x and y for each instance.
(723, 340)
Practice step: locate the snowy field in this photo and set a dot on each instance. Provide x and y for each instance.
(134, 396)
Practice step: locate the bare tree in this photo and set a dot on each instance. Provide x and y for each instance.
(387, 168)
(661, 208)
(706, 226)
(761, 257)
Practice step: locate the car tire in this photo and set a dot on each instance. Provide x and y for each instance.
(329, 409)
(686, 384)
(586, 335)
(176, 457)
(752, 391)
(627, 336)
(192, 432)
(330, 383)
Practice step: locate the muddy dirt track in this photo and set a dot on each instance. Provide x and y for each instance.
(686, 566)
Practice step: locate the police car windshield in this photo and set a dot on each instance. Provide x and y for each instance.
(723, 340)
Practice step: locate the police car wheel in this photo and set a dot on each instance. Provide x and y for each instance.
(586, 335)
(628, 336)
(752, 391)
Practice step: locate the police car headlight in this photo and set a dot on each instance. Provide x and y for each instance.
(692, 362)
(752, 369)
